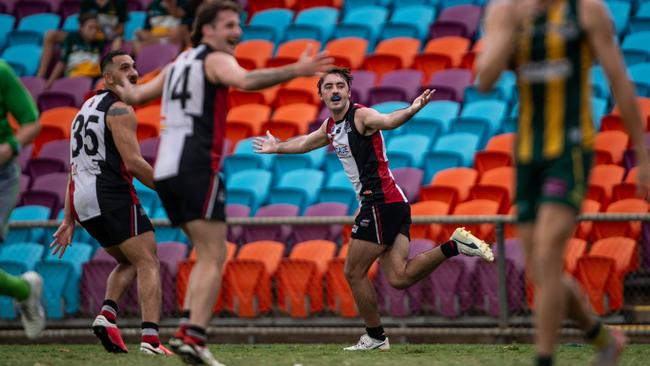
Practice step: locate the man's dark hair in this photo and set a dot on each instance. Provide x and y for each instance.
(83, 18)
(341, 71)
(207, 13)
(108, 59)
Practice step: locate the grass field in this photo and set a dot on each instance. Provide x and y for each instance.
(316, 355)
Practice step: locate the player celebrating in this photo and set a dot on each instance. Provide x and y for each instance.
(105, 155)
(195, 93)
(381, 228)
(551, 43)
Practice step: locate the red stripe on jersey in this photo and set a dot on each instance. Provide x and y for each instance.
(219, 127)
(381, 234)
(388, 185)
(71, 198)
(129, 179)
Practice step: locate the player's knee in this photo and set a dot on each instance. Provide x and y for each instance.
(353, 273)
(398, 282)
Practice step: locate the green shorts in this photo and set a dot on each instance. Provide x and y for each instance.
(561, 180)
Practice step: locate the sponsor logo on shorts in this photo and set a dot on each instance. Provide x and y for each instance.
(365, 222)
(554, 187)
(355, 228)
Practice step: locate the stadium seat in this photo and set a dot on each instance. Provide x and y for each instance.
(441, 54)
(396, 85)
(575, 248)
(328, 232)
(392, 54)
(429, 231)
(245, 121)
(313, 23)
(363, 81)
(609, 147)
(624, 251)
(298, 187)
(602, 180)
(136, 22)
(271, 232)
(236, 232)
(65, 92)
(245, 158)
(446, 154)
(452, 286)
(149, 149)
(34, 84)
(248, 187)
(348, 52)
(7, 23)
(630, 229)
(305, 4)
(290, 51)
(613, 121)
(473, 208)
(584, 228)
(626, 189)
(597, 276)
(254, 53)
(170, 255)
(55, 125)
(300, 277)
(497, 185)
(481, 118)
(268, 25)
(291, 120)
(23, 58)
(599, 83)
(47, 190)
(309, 160)
(409, 21)
(449, 84)
(26, 254)
(470, 56)
(27, 213)
(641, 20)
(406, 151)
(247, 280)
(300, 90)
(640, 75)
(450, 186)
(504, 89)
(364, 22)
(409, 180)
(635, 48)
(339, 189)
(32, 28)
(53, 157)
(155, 56)
(57, 278)
(498, 152)
(435, 116)
(460, 20)
(598, 110)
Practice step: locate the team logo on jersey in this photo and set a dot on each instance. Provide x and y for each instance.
(343, 151)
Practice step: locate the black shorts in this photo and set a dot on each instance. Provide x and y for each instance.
(382, 222)
(116, 226)
(193, 196)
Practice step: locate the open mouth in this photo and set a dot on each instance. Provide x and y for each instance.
(336, 98)
(133, 80)
(233, 42)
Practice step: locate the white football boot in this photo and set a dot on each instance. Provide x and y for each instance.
(471, 246)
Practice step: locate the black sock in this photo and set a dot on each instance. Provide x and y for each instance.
(592, 333)
(376, 333)
(544, 360)
(449, 249)
(185, 314)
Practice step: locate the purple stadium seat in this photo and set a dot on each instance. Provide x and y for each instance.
(273, 232)
(417, 292)
(154, 56)
(363, 81)
(451, 291)
(322, 115)
(34, 84)
(54, 157)
(25, 155)
(449, 84)
(644, 244)
(149, 149)
(487, 283)
(321, 232)
(7, 6)
(24, 8)
(66, 92)
(461, 20)
(23, 184)
(69, 7)
(396, 85)
(409, 180)
(170, 254)
(47, 190)
(235, 232)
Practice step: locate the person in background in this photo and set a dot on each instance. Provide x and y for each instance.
(163, 24)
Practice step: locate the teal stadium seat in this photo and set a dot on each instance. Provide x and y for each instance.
(339, 189)
(388, 107)
(410, 21)
(599, 83)
(620, 14)
(71, 23)
(57, 278)
(437, 114)
(16, 259)
(7, 23)
(332, 164)
(636, 48)
(640, 75)
(269, 25)
(406, 151)
(27, 213)
(135, 22)
(245, 158)
(314, 23)
(298, 187)
(310, 160)
(166, 233)
(149, 199)
(641, 20)
(364, 22)
(505, 89)
(482, 118)
(23, 58)
(453, 150)
(598, 110)
(31, 29)
(75, 256)
(249, 187)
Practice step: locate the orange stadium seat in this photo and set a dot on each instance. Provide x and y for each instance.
(609, 147)
(392, 54)
(597, 275)
(300, 90)
(427, 208)
(470, 57)
(497, 153)
(450, 186)
(348, 52)
(497, 185)
(254, 53)
(584, 228)
(439, 54)
(627, 189)
(630, 229)
(613, 121)
(291, 120)
(259, 5)
(300, 278)
(149, 122)
(602, 181)
(238, 97)
(245, 121)
(56, 124)
(511, 229)
(304, 4)
(247, 283)
(290, 51)
(475, 208)
(625, 251)
(575, 248)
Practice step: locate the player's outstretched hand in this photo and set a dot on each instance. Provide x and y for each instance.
(423, 99)
(643, 181)
(266, 145)
(310, 64)
(62, 238)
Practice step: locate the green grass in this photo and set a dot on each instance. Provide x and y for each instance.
(313, 355)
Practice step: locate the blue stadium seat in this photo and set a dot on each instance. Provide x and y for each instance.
(444, 4)
(640, 75)
(406, 151)
(509, 123)
(365, 22)
(32, 29)
(504, 89)
(245, 158)
(298, 187)
(410, 21)
(135, 22)
(438, 113)
(57, 279)
(636, 48)
(75, 256)
(249, 187)
(339, 189)
(453, 150)
(23, 59)
(350, 5)
(27, 213)
(332, 164)
(599, 83)
(310, 160)
(25, 254)
(481, 118)
(149, 199)
(598, 110)
(269, 25)
(7, 23)
(71, 23)
(388, 107)
(641, 20)
(620, 13)
(166, 233)
(314, 23)
(7, 304)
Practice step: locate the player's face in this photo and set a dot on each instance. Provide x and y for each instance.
(335, 92)
(225, 32)
(123, 69)
(89, 29)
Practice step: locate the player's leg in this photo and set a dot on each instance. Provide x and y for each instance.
(401, 272)
(52, 38)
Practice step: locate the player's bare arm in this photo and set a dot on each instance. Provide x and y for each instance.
(499, 40)
(595, 21)
(369, 120)
(141, 93)
(297, 145)
(63, 235)
(120, 119)
(223, 68)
